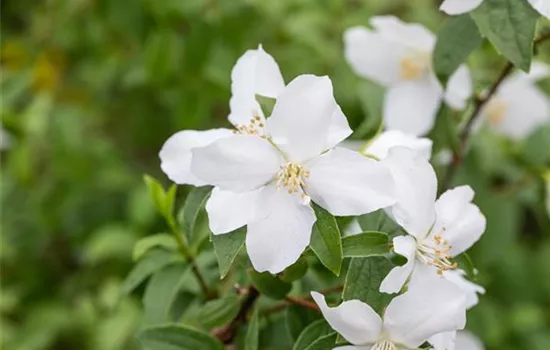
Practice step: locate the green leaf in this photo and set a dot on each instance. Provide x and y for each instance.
(295, 271)
(161, 292)
(366, 244)
(177, 337)
(227, 247)
(326, 241)
(162, 240)
(311, 333)
(378, 221)
(371, 97)
(455, 42)
(218, 312)
(510, 26)
(193, 204)
(297, 319)
(252, 339)
(163, 200)
(269, 285)
(324, 343)
(466, 264)
(151, 263)
(363, 281)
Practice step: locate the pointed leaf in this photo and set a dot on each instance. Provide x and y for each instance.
(177, 337)
(218, 312)
(252, 339)
(193, 204)
(227, 247)
(270, 285)
(160, 240)
(324, 343)
(326, 240)
(160, 293)
(311, 333)
(366, 244)
(151, 263)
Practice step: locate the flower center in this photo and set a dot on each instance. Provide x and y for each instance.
(413, 65)
(384, 345)
(495, 110)
(291, 177)
(254, 127)
(436, 253)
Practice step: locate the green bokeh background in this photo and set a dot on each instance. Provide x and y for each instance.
(92, 88)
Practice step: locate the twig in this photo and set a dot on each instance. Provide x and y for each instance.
(459, 154)
(227, 334)
(298, 301)
(302, 302)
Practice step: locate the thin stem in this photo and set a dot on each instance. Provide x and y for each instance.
(459, 154)
(227, 334)
(302, 302)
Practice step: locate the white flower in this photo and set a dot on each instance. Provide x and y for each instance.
(381, 144)
(409, 320)
(457, 7)
(519, 106)
(255, 73)
(278, 172)
(461, 340)
(438, 230)
(398, 56)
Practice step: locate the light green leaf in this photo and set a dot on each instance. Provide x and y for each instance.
(366, 244)
(177, 337)
(510, 26)
(252, 339)
(324, 343)
(161, 292)
(218, 312)
(227, 247)
(269, 285)
(163, 200)
(455, 42)
(311, 333)
(326, 241)
(363, 281)
(371, 97)
(193, 204)
(160, 240)
(295, 271)
(151, 263)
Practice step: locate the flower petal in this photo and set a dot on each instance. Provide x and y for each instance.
(458, 221)
(411, 106)
(339, 128)
(542, 6)
(444, 341)
(356, 321)
(470, 289)
(459, 88)
(237, 163)
(280, 230)
(397, 277)
(302, 117)
(468, 341)
(412, 35)
(381, 145)
(372, 56)
(227, 211)
(346, 183)
(424, 311)
(457, 7)
(416, 187)
(175, 155)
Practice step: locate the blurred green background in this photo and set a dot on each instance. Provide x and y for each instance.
(92, 88)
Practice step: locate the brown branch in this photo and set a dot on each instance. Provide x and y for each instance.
(463, 137)
(302, 302)
(227, 334)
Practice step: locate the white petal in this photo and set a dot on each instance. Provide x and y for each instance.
(339, 128)
(356, 321)
(538, 71)
(542, 6)
(346, 183)
(443, 341)
(397, 277)
(467, 341)
(351, 347)
(413, 35)
(280, 230)
(175, 155)
(424, 311)
(302, 117)
(470, 289)
(459, 88)
(227, 211)
(411, 106)
(416, 187)
(457, 7)
(237, 163)
(372, 56)
(458, 220)
(381, 145)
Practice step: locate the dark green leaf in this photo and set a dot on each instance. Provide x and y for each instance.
(270, 285)
(366, 244)
(161, 292)
(377, 221)
(218, 312)
(297, 319)
(226, 247)
(510, 26)
(466, 264)
(326, 240)
(160, 240)
(252, 339)
(295, 271)
(455, 42)
(311, 333)
(177, 337)
(154, 261)
(324, 343)
(193, 204)
(363, 281)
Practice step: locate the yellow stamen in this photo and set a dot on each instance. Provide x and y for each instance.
(437, 253)
(291, 177)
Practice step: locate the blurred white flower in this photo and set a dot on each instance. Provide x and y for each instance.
(278, 168)
(409, 320)
(381, 144)
(519, 106)
(437, 230)
(461, 340)
(398, 56)
(457, 7)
